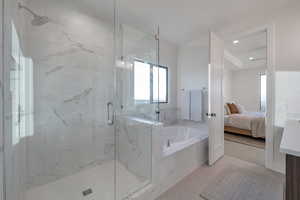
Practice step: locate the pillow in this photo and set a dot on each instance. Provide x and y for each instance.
(240, 108)
(226, 110)
(233, 108)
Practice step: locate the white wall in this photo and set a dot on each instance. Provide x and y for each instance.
(246, 88)
(168, 58)
(192, 69)
(227, 85)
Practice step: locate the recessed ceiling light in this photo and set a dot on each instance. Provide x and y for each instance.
(236, 42)
(251, 58)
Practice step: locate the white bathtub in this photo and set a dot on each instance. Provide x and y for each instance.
(178, 137)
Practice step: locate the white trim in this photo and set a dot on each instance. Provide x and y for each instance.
(269, 151)
(269, 154)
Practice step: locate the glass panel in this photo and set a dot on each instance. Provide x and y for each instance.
(135, 114)
(58, 91)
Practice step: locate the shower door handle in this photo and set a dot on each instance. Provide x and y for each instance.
(110, 116)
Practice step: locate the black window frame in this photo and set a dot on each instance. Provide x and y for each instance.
(151, 101)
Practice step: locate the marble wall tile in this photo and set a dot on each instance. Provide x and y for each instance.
(135, 147)
(73, 81)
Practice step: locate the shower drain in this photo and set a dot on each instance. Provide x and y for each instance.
(87, 192)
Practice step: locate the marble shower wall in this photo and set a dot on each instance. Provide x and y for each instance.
(72, 54)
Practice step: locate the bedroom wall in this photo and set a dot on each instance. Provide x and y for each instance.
(246, 88)
(227, 84)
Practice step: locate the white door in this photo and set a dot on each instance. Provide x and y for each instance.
(215, 99)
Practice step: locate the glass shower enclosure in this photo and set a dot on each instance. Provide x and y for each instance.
(73, 125)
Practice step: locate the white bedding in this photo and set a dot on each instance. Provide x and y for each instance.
(254, 121)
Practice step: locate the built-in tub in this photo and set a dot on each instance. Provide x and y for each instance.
(177, 150)
(178, 137)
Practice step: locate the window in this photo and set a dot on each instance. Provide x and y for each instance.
(263, 92)
(150, 83)
(142, 82)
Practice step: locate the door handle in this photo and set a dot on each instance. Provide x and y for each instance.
(110, 117)
(211, 114)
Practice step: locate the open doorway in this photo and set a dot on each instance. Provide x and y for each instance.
(230, 52)
(245, 97)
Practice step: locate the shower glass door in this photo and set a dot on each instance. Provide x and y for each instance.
(81, 93)
(59, 74)
(136, 106)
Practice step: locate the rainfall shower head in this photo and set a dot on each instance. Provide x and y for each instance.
(37, 19)
(40, 20)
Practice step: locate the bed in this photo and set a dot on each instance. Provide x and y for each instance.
(246, 123)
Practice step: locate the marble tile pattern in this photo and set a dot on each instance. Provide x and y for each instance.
(134, 147)
(73, 81)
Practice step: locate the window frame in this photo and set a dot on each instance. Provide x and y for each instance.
(151, 101)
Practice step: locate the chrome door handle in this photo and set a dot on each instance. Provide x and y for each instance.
(110, 117)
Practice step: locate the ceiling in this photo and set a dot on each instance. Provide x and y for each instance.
(182, 20)
(250, 46)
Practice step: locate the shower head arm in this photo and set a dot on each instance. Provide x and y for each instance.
(30, 11)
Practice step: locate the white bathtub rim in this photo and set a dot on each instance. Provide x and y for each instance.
(186, 144)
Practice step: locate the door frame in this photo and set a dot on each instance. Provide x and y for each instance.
(270, 71)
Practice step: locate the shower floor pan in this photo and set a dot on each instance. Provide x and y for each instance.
(90, 184)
